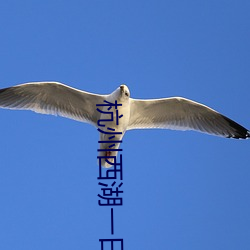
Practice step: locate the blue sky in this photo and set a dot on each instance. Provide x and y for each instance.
(182, 190)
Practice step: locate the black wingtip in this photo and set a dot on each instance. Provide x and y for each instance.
(239, 131)
(248, 134)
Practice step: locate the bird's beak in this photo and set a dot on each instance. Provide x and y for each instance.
(122, 88)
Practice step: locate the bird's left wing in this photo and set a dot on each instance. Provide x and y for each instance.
(53, 98)
(182, 114)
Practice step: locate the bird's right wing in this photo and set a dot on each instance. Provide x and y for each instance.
(182, 114)
(53, 98)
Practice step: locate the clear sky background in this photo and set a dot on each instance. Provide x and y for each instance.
(182, 190)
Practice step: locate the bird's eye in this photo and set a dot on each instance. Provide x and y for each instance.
(126, 93)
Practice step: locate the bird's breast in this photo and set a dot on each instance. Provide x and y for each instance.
(115, 119)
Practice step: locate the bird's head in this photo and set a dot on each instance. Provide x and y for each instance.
(121, 94)
(124, 91)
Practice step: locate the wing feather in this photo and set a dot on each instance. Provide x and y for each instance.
(182, 114)
(53, 98)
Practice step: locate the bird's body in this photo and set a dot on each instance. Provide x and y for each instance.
(118, 125)
(167, 113)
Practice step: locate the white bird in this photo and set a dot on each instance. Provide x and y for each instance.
(167, 113)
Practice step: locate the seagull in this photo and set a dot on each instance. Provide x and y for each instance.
(176, 113)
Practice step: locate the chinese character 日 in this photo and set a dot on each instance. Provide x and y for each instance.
(119, 245)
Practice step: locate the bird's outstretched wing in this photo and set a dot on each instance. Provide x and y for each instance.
(182, 114)
(53, 98)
